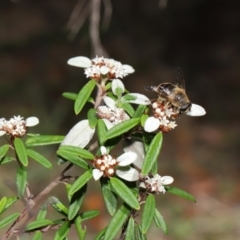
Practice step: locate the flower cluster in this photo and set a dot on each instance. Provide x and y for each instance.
(105, 165)
(100, 67)
(155, 183)
(16, 126)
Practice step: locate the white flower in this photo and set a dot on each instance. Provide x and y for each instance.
(155, 183)
(111, 114)
(100, 66)
(16, 126)
(106, 165)
(196, 111)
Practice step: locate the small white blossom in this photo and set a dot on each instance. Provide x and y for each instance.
(196, 111)
(111, 114)
(100, 66)
(106, 165)
(17, 126)
(155, 183)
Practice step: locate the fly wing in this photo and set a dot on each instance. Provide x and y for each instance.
(151, 88)
(179, 79)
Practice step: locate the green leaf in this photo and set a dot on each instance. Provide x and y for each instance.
(38, 224)
(37, 236)
(100, 234)
(139, 234)
(6, 159)
(83, 96)
(128, 108)
(89, 214)
(116, 222)
(159, 221)
(76, 202)
(58, 205)
(39, 158)
(124, 193)
(21, 151)
(80, 182)
(73, 159)
(180, 193)
(62, 231)
(152, 154)
(155, 168)
(148, 213)
(21, 180)
(2, 204)
(92, 117)
(139, 111)
(80, 230)
(10, 201)
(3, 151)
(9, 219)
(77, 151)
(41, 140)
(101, 129)
(42, 212)
(121, 128)
(70, 95)
(130, 230)
(110, 198)
(144, 117)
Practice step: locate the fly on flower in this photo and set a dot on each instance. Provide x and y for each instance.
(172, 101)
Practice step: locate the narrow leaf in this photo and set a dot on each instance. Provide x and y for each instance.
(128, 108)
(121, 128)
(37, 236)
(180, 193)
(9, 219)
(83, 96)
(130, 230)
(6, 159)
(89, 214)
(77, 151)
(152, 154)
(101, 130)
(69, 95)
(62, 231)
(3, 151)
(2, 204)
(76, 202)
(10, 201)
(159, 221)
(80, 182)
(116, 222)
(100, 235)
(148, 213)
(139, 234)
(92, 117)
(21, 180)
(21, 151)
(39, 158)
(58, 205)
(42, 212)
(80, 230)
(38, 224)
(139, 111)
(124, 193)
(110, 198)
(41, 140)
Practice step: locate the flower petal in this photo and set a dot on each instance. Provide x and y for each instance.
(126, 158)
(117, 84)
(130, 175)
(103, 150)
(82, 62)
(196, 111)
(80, 135)
(136, 98)
(2, 133)
(109, 102)
(97, 174)
(128, 69)
(151, 124)
(108, 124)
(32, 121)
(138, 148)
(167, 180)
(104, 70)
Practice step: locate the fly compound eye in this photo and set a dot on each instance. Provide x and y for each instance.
(185, 108)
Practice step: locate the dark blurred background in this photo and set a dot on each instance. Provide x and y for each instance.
(200, 36)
